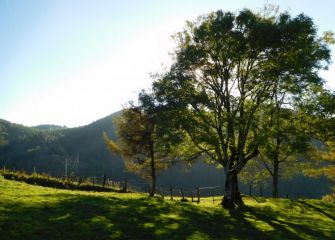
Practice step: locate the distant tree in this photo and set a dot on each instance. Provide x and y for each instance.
(285, 146)
(283, 153)
(321, 122)
(254, 174)
(295, 129)
(139, 144)
(325, 163)
(3, 135)
(225, 68)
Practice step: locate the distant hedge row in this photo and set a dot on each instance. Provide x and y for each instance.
(48, 181)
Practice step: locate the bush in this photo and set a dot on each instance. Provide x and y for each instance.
(329, 198)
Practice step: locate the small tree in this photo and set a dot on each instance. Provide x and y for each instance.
(138, 144)
(285, 146)
(254, 174)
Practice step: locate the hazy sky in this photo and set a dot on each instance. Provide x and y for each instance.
(70, 62)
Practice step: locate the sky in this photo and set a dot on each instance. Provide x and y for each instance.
(71, 62)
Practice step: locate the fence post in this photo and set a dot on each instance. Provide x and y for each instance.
(261, 191)
(213, 194)
(198, 195)
(171, 193)
(125, 184)
(104, 182)
(182, 194)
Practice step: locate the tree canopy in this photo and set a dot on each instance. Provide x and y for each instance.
(227, 70)
(139, 141)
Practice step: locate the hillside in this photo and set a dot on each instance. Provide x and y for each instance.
(26, 148)
(33, 212)
(48, 127)
(46, 148)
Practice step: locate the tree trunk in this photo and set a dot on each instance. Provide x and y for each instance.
(275, 177)
(153, 171)
(153, 186)
(276, 157)
(232, 192)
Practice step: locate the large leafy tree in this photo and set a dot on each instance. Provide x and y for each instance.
(225, 69)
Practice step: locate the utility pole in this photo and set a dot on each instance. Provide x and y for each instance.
(66, 168)
(77, 163)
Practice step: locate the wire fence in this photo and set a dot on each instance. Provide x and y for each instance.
(104, 183)
(173, 192)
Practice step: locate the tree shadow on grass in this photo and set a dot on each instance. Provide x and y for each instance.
(289, 227)
(318, 209)
(95, 217)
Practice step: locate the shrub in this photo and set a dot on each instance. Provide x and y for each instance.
(329, 198)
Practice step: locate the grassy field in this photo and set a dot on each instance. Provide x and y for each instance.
(34, 212)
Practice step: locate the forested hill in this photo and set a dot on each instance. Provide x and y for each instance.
(49, 127)
(47, 147)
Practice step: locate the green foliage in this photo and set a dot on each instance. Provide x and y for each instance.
(328, 37)
(33, 212)
(285, 146)
(226, 67)
(321, 122)
(141, 141)
(324, 163)
(329, 198)
(137, 142)
(228, 70)
(3, 135)
(255, 174)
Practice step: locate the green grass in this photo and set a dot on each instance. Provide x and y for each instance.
(34, 212)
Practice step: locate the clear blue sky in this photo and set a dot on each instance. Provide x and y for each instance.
(70, 62)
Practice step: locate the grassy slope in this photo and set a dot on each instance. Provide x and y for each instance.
(33, 212)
